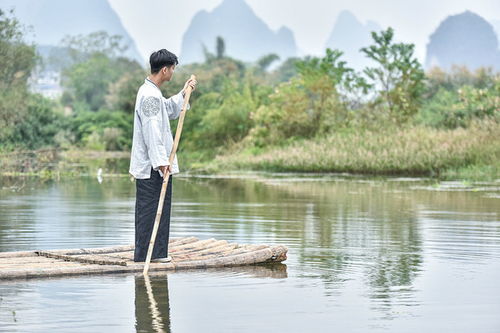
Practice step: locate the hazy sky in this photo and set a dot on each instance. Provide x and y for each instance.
(158, 24)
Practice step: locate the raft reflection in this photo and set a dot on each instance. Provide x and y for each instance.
(152, 303)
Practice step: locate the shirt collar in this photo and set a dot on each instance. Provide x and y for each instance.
(148, 81)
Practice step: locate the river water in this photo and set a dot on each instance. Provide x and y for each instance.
(365, 254)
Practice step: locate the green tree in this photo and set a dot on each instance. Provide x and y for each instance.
(286, 70)
(220, 47)
(97, 65)
(264, 62)
(330, 66)
(83, 47)
(103, 130)
(39, 125)
(457, 77)
(121, 93)
(399, 77)
(306, 105)
(17, 60)
(458, 108)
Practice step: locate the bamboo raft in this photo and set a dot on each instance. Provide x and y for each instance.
(187, 253)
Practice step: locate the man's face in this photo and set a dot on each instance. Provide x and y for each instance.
(168, 72)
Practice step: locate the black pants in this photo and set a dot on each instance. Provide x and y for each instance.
(146, 205)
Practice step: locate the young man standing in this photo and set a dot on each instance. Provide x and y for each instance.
(151, 146)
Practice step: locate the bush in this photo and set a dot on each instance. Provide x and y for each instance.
(306, 105)
(113, 138)
(228, 123)
(39, 125)
(457, 77)
(452, 109)
(110, 130)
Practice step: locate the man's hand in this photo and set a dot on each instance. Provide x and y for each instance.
(165, 168)
(189, 83)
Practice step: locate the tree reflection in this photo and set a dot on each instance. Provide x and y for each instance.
(340, 229)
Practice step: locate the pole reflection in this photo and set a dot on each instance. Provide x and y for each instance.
(152, 304)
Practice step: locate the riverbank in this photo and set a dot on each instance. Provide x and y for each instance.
(54, 164)
(472, 153)
(460, 154)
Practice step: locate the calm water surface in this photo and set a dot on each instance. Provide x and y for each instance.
(365, 255)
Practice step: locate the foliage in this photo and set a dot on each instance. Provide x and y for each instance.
(461, 97)
(457, 77)
(231, 121)
(103, 130)
(17, 60)
(219, 119)
(211, 75)
(399, 77)
(121, 93)
(264, 62)
(286, 70)
(331, 67)
(39, 125)
(220, 47)
(307, 104)
(96, 66)
(83, 47)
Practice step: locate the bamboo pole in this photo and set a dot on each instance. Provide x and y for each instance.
(89, 259)
(178, 133)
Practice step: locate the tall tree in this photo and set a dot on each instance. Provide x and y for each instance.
(265, 61)
(17, 60)
(220, 47)
(399, 76)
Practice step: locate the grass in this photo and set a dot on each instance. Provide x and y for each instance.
(472, 153)
(474, 172)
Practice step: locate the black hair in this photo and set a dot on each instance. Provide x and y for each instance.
(160, 59)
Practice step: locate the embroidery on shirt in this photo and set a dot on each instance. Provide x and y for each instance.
(150, 106)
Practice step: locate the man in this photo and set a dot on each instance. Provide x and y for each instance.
(151, 146)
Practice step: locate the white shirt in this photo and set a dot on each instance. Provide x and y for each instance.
(152, 141)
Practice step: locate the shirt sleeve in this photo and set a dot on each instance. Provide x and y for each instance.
(174, 104)
(150, 114)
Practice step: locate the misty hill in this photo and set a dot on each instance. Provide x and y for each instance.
(350, 35)
(246, 36)
(51, 20)
(463, 39)
(496, 26)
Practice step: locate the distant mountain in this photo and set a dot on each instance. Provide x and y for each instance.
(52, 20)
(246, 36)
(496, 26)
(463, 39)
(350, 35)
